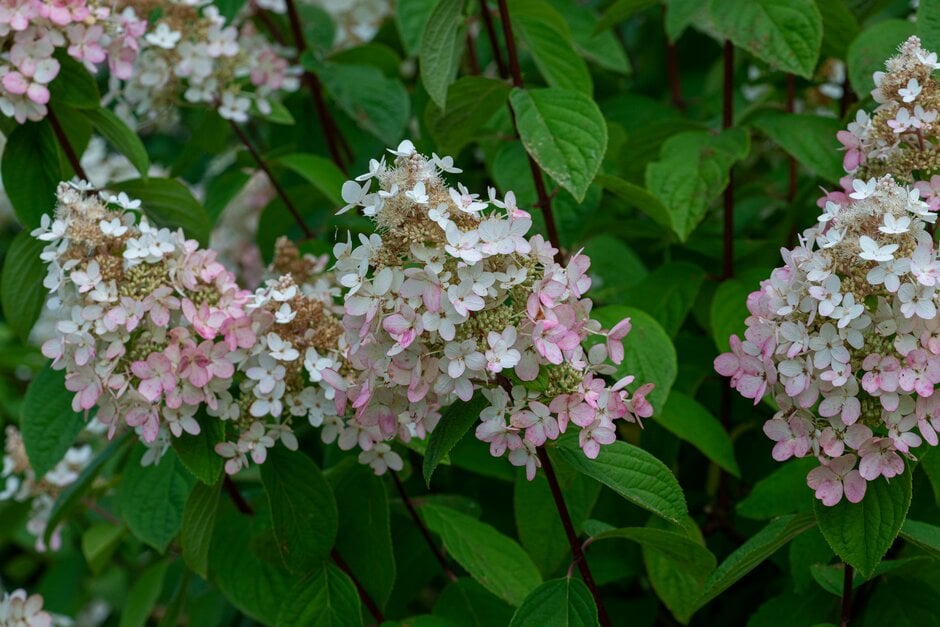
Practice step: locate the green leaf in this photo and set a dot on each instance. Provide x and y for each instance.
(197, 452)
(143, 595)
(928, 24)
(563, 602)
(320, 172)
(440, 49)
(471, 102)
(871, 48)
(749, 555)
(303, 509)
(861, 533)
(681, 13)
(98, 544)
(728, 312)
(377, 104)
(810, 139)
(930, 464)
(364, 538)
(615, 268)
(324, 598)
(539, 528)
(117, 133)
(71, 496)
(787, 35)
(784, 491)
(690, 421)
(152, 498)
(21, 290)
(48, 424)
(594, 44)
(792, 609)
(677, 547)
(632, 473)
(840, 28)
(468, 604)
(221, 190)
(410, 19)
(548, 38)
(648, 352)
(279, 114)
(621, 10)
(31, 172)
(452, 427)
(637, 197)
(168, 203)
(676, 585)
(564, 132)
(692, 171)
(198, 524)
(668, 293)
(493, 559)
(74, 85)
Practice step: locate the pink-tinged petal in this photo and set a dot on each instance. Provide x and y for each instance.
(855, 486)
(396, 324)
(777, 430)
(727, 364)
(150, 389)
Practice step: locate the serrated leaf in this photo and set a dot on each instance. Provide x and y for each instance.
(98, 544)
(564, 132)
(377, 104)
(728, 312)
(563, 602)
(677, 547)
(676, 585)
(453, 426)
(198, 525)
(622, 10)
(364, 538)
(810, 139)
(31, 170)
(690, 421)
(692, 170)
(552, 49)
(648, 353)
(928, 24)
(632, 473)
(681, 13)
(324, 598)
(197, 452)
(874, 45)
(468, 604)
(749, 555)
(471, 103)
(784, 491)
(168, 203)
(668, 293)
(594, 44)
(122, 138)
(152, 498)
(493, 559)
(637, 197)
(303, 509)
(73, 85)
(143, 595)
(221, 190)
(320, 172)
(861, 533)
(21, 290)
(786, 35)
(440, 49)
(410, 19)
(47, 422)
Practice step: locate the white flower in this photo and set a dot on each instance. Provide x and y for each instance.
(405, 149)
(832, 210)
(234, 107)
(49, 230)
(910, 93)
(871, 251)
(419, 194)
(284, 295)
(862, 189)
(281, 349)
(381, 457)
(462, 356)
(830, 238)
(113, 227)
(928, 59)
(501, 355)
(917, 301)
(440, 215)
(894, 225)
(124, 201)
(163, 36)
(445, 164)
(462, 244)
(284, 314)
(375, 168)
(353, 194)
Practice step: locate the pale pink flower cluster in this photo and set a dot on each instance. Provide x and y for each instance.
(846, 340)
(191, 54)
(19, 610)
(450, 297)
(19, 482)
(30, 32)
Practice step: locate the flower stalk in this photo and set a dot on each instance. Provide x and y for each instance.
(435, 550)
(66, 146)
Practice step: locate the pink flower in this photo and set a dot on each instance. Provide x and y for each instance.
(87, 386)
(790, 435)
(836, 478)
(615, 340)
(538, 423)
(598, 433)
(147, 419)
(854, 156)
(499, 435)
(156, 376)
(572, 407)
(879, 459)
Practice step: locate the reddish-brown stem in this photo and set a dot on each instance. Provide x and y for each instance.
(330, 130)
(846, 614)
(63, 140)
(270, 26)
(472, 55)
(848, 97)
(363, 595)
(259, 160)
(727, 120)
(791, 162)
(544, 202)
(435, 550)
(673, 73)
(494, 42)
(236, 497)
(577, 551)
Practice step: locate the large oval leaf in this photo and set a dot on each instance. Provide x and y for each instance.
(21, 291)
(557, 603)
(690, 421)
(324, 598)
(440, 49)
(47, 422)
(152, 498)
(30, 170)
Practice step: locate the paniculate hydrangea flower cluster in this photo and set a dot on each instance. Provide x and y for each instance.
(190, 53)
(91, 31)
(902, 136)
(448, 297)
(19, 610)
(18, 482)
(845, 337)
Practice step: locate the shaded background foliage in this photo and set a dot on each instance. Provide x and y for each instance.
(641, 116)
